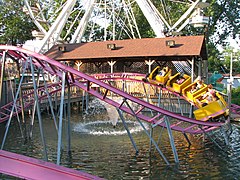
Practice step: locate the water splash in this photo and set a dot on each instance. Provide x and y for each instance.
(96, 107)
(105, 128)
(110, 126)
(112, 113)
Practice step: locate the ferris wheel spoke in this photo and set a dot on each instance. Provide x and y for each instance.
(75, 21)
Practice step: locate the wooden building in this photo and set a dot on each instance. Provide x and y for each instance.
(181, 53)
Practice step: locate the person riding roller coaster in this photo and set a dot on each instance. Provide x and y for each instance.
(180, 79)
(158, 76)
(208, 103)
(162, 72)
(197, 86)
(208, 97)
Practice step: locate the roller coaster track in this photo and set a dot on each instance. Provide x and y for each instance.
(135, 77)
(235, 109)
(29, 168)
(75, 78)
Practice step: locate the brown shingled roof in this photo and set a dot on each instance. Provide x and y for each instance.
(133, 50)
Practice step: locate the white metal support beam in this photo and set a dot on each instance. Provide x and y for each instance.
(77, 36)
(152, 16)
(185, 15)
(149, 63)
(55, 30)
(111, 63)
(33, 18)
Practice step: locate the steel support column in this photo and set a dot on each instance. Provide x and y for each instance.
(128, 132)
(68, 121)
(22, 104)
(83, 100)
(38, 110)
(186, 137)
(2, 74)
(191, 111)
(33, 113)
(159, 98)
(205, 133)
(61, 119)
(171, 140)
(223, 131)
(192, 73)
(14, 105)
(50, 102)
(180, 107)
(145, 130)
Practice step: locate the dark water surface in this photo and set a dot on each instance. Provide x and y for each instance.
(107, 152)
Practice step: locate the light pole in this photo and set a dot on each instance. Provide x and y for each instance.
(230, 82)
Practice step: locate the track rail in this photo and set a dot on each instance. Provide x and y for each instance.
(29, 100)
(84, 81)
(235, 109)
(29, 168)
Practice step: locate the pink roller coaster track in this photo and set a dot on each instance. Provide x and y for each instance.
(29, 168)
(84, 81)
(24, 167)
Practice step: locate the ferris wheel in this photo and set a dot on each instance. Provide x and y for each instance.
(75, 21)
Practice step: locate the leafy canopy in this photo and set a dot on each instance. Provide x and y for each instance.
(15, 25)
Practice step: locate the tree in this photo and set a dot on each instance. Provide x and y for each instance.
(224, 20)
(235, 96)
(224, 23)
(214, 59)
(143, 25)
(15, 26)
(228, 54)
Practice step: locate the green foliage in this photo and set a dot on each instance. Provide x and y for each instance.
(96, 35)
(15, 26)
(143, 25)
(235, 96)
(171, 10)
(214, 56)
(224, 21)
(229, 54)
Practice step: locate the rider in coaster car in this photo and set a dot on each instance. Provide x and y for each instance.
(180, 79)
(209, 96)
(199, 84)
(163, 71)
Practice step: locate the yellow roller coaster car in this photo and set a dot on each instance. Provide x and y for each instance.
(159, 76)
(191, 95)
(212, 110)
(178, 82)
(192, 92)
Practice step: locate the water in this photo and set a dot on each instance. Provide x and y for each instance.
(107, 152)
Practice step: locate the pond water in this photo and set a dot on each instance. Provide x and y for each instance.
(104, 151)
